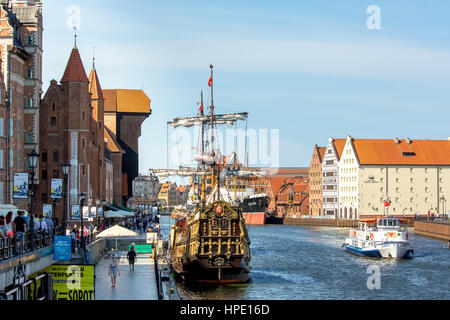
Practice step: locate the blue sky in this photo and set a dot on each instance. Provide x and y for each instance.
(311, 69)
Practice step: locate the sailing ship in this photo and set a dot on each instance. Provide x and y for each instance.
(211, 244)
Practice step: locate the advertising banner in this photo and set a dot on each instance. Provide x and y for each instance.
(85, 212)
(93, 212)
(20, 185)
(71, 282)
(75, 213)
(56, 188)
(47, 210)
(100, 211)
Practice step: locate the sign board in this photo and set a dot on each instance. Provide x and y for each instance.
(75, 213)
(71, 282)
(20, 185)
(100, 211)
(62, 248)
(56, 188)
(152, 237)
(47, 210)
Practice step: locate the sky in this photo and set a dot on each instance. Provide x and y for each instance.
(303, 70)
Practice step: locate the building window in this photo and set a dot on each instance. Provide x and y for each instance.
(44, 175)
(53, 121)
(55, 173)
(53, 106)
(55, 156)
(44, 156)
(44, 198)
(30, 40)
(11, 158)
(29, 103)
(1, 159)
(2, 127)
(30, 74)
(28, 138)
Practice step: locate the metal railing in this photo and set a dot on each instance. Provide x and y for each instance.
(14, 246)
(442, 218)
(30, 290)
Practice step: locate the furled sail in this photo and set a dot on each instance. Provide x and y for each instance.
(228, 119)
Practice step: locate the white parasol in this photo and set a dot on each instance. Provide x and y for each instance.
(116, 231)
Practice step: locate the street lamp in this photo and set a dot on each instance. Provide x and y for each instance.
(97, 202)
(103, 211)
(65, 169)
(82, 199)
(33, 158)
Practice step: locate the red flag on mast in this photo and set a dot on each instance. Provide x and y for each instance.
(201, 107)
(210, 81)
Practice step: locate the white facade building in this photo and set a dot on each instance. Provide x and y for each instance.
(330, 178)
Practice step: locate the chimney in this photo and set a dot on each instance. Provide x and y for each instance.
(396, 140)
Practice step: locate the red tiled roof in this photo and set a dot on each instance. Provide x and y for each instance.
(94, 85)
(321, 153)
(74, 70)
(418, 152)
(339, 145)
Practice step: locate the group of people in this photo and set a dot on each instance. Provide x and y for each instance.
(75, 233)
(145, 222)
(21, 224)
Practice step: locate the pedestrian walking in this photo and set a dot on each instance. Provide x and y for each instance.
(131, 255)
(113, 271)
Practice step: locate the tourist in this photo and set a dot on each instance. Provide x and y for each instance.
(40, 224)
(131, 255)
(2, 226)
(68, 231)
(19, 226)
(113, 271)
(50, 224)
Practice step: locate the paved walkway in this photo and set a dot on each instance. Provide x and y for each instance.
(139, 284)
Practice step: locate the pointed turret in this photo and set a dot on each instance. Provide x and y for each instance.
(94, 85)
(74, 70)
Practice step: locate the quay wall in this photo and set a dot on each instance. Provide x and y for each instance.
(432, 229)
(321, 222)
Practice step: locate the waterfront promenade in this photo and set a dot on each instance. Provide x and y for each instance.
(139, 284)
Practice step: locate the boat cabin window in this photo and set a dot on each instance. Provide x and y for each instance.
(214, 224)
(390, 223)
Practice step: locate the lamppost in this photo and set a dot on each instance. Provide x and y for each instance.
(443, 205)
(103, 211)
(55, 201)
(82, 199)
(33, 158)
(65, 168)
(97, 202)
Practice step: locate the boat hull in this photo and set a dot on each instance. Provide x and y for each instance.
(255, 218)
(394, 250)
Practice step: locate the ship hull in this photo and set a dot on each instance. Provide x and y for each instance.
(204, 271)
(393, 250)
(254, 218)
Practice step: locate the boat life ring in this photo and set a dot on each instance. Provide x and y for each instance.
(371, 236)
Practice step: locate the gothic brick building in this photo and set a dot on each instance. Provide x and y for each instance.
(20, 90)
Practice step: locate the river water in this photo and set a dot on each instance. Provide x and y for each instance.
(298, 262)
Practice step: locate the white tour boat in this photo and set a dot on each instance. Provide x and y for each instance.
(388, 239)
